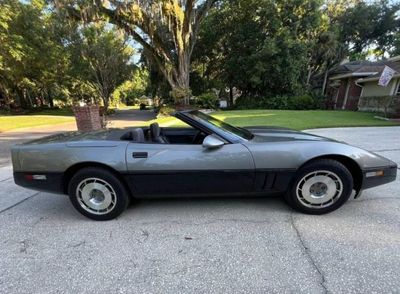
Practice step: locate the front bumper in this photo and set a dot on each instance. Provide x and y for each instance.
(384, 175)
(46, 182)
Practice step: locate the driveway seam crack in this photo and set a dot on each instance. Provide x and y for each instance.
(5, 180)
(309, 256)
(20, 202)
(384, 150)
(210, 222)
(372, 199)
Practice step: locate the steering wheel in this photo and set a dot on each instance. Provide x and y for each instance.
(197, 137)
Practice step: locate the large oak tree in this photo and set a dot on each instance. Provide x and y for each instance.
(166, 29)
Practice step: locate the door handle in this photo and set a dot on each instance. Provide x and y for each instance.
(140, 154)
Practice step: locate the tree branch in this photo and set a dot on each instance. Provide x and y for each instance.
(189, 8)
(200, 15)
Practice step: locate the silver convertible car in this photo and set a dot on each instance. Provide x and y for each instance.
(102, 171)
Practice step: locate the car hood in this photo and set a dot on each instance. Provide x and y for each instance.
(277, 134)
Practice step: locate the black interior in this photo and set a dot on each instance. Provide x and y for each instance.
(159, 135)
(184, 135)
(156, 135)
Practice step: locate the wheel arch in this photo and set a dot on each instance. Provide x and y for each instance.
(69, 173)
(348, 162)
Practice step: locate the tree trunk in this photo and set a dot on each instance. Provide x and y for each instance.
(325, 81)
(230, 95)
(106, 101)
(181, 85)
(308, 76)
(50, 99)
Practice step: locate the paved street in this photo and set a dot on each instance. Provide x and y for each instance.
(208, 245)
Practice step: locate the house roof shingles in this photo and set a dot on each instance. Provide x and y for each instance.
(359, 67)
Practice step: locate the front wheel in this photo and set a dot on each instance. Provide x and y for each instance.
(320, 187)
(98, 194)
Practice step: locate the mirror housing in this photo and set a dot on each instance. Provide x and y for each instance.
(212, 142)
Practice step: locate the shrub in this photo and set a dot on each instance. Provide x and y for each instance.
(179, 95)
(207, 100)
(304, 102)
(248, 103)
(165, 110)
(277, 102)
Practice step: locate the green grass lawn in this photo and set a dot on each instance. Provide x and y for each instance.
(55, 112)
(45, 117)
(294, 119)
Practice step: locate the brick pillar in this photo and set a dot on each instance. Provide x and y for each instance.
(87, 117)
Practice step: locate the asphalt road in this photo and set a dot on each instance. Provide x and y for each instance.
(205, 246)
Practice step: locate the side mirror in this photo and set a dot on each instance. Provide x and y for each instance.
(212, 142)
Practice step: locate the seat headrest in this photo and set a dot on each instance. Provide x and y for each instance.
(138, 135)
(154, 131)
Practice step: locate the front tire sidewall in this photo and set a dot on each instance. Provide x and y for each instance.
(329, 165)
(122, 198)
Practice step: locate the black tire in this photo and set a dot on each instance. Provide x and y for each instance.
(110, 181)
(298, 202)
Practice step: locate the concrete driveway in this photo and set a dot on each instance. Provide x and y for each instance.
(205, 246)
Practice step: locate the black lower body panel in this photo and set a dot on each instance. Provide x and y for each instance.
(191, 183)
(46, 182)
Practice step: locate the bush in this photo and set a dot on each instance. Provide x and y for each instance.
(304, 102)
(207, 100)
(179, 94)
(142, 106)
(165, 110)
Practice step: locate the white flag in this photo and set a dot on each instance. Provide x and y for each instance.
(386, 76)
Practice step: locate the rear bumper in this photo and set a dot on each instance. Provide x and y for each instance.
(46, 182)
(370, 181)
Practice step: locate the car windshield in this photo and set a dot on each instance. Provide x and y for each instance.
(212, 121)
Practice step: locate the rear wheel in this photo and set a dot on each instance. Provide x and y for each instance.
(98, 194)
(320, 187)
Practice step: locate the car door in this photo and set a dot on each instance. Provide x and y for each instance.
(168, 169)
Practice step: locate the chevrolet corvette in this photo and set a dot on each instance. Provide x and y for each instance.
(102, 171)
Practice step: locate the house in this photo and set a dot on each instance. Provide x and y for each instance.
(352, 84)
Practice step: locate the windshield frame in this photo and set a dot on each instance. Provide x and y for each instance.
(212, 125)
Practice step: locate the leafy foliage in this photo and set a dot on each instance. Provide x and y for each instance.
(302, 102)
(286, 48)
(207, 100)
(44, 58)
(63, 51)
(101, 59)
(166, 29)
(132, 89)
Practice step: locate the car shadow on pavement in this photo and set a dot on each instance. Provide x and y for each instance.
(59, 207)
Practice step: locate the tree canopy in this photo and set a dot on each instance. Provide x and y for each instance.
(72, 50)
(166, 29)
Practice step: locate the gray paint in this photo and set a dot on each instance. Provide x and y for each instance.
(271, 148)
(164, 157)
(58, 157)
(283, 148)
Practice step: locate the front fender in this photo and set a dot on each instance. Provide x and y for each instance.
(293, 154)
